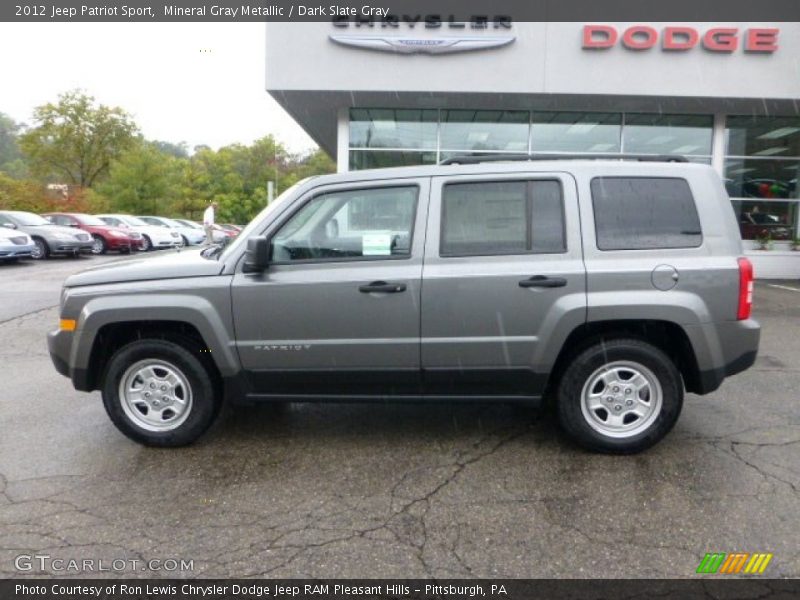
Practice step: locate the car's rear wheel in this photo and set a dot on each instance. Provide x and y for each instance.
(99, 245)
(40, 250)
(158, 393)
(146, 244)
(620, 396)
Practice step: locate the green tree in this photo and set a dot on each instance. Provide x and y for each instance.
(75, 140)
(144, 180)
(17, 194)
(10, 156)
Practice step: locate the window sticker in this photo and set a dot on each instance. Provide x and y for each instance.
(376, 244)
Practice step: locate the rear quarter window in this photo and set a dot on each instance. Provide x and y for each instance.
(644, 213)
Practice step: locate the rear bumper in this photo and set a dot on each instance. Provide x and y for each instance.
(737, 351)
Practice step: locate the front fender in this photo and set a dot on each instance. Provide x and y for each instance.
(191, 309)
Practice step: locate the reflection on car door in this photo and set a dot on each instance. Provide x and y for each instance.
(337, 311)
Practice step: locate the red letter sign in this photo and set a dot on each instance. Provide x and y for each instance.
(680, 38)
(640, 37)
(607, 36)
(761, 40)
(721, 39)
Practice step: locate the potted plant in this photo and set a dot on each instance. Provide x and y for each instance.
(764, 241)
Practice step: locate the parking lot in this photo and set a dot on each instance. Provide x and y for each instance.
(393, 490)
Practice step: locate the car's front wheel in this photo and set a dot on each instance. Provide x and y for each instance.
(99, 245)
(40, 250)
(159, 393)
(620, 396)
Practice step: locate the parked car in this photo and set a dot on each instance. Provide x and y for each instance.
(218, 236)
(610, 286)
(104, 236)
(48, 239)
(15, 245)
(189, 235)
(228, 233)
(152, 236)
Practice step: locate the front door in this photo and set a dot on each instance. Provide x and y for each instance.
(337, 311)
(503, 275)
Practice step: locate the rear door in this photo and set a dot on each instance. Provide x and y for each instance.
(503, 276)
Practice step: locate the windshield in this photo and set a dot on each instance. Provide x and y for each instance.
(186, 223)
(258, 221)
(132, 221)
(27, 219)
(90, 220)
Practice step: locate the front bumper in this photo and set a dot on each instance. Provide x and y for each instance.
(119, 243)
(59, 345)
(16, 251)
(63, 247)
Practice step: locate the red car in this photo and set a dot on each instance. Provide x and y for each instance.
(105, 236)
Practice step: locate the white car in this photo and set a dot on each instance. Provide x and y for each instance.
(153, 236)
(15, 244)
(218, 236)
(190, 235)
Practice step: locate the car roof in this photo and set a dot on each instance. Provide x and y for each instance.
(590, 166)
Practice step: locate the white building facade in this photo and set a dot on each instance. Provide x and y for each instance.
(417, 90)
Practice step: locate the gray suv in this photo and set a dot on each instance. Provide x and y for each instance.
(609, 286)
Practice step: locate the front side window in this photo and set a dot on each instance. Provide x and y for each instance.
(643, 213)
(502, 217)
(350, 225)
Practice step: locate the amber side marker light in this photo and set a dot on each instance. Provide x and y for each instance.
(67, 324)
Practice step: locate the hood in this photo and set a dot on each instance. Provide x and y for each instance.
(50, 229)
(170, 266)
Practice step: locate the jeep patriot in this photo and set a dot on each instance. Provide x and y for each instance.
(609, 286)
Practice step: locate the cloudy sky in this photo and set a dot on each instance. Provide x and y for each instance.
(202, 83)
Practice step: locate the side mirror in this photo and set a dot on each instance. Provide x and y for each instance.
(10, 225)
(256, 257)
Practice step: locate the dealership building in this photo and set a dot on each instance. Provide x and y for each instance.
(417, 90)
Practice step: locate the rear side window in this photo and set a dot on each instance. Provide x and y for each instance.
(502, 217)
(643, 213)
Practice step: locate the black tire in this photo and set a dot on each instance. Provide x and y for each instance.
(147, 244)
(42, 249)
(99, 245)
(184, 241)
(586, 364)
(205, 401)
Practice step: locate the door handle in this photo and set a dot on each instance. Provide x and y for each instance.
(541, 281)
(382, 287)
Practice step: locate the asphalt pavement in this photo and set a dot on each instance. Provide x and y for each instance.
(390, 490)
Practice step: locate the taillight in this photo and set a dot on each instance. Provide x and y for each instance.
(745, 289)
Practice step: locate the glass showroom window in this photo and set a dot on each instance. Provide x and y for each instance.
(466, 131)
(390, 137)
(687, 135)
(762, 165)
(576, 132)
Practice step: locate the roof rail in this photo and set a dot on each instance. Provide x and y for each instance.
(472, 159)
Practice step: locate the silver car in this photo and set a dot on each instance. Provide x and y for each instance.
(15, 245)
(48, 239)
(610, 287)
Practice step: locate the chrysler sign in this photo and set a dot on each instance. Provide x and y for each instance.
(402, 43)
(409, 45)
(681, 39)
